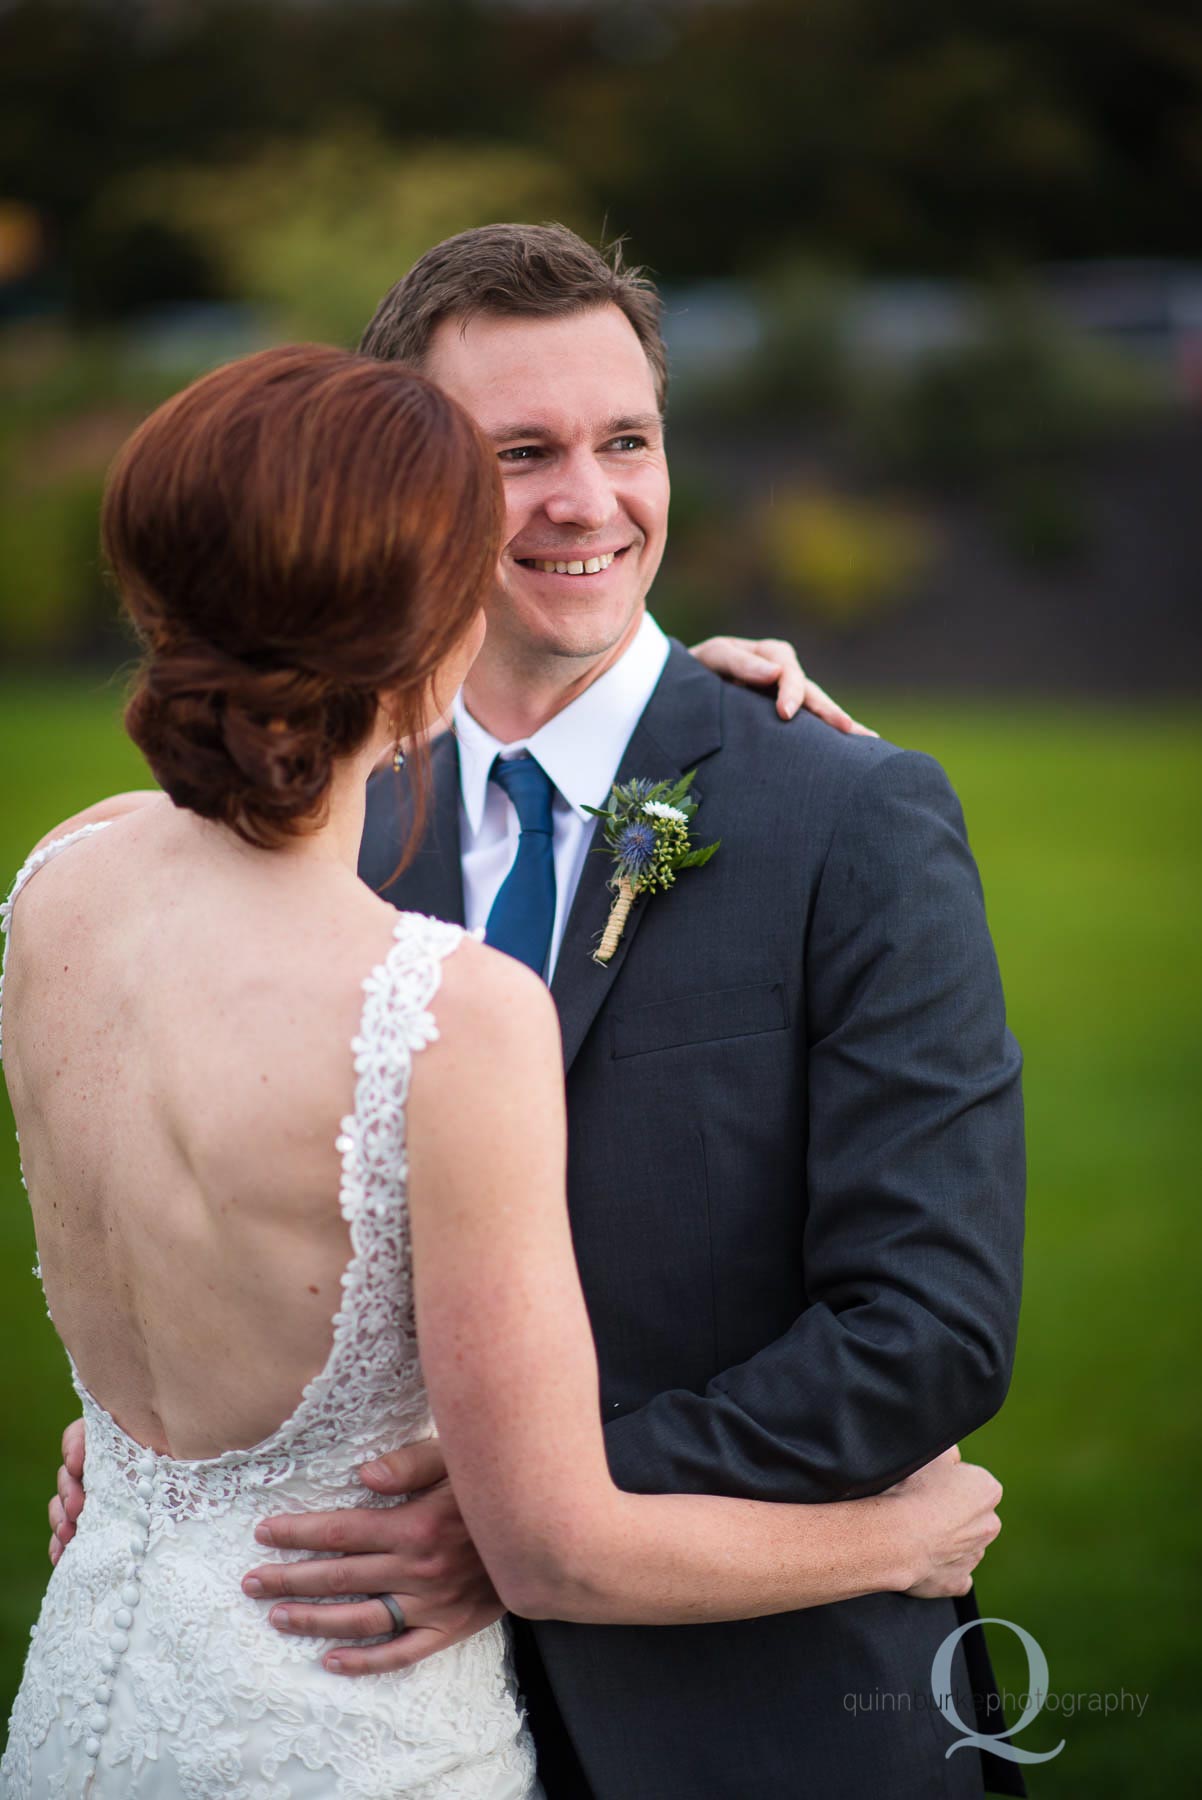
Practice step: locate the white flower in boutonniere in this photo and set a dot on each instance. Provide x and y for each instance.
(647, 826)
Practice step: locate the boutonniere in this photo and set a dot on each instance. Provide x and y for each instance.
(647, 835)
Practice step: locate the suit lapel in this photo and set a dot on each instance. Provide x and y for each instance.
(433, 882)
(681, 726)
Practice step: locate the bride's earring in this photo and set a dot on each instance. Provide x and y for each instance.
(398, 755)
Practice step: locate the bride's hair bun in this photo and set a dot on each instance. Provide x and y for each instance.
(293, 536)
(253, 749)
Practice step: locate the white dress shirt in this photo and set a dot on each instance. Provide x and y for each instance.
(580, 749)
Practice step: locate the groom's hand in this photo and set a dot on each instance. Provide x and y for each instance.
(68, 1501)
(420, 1553)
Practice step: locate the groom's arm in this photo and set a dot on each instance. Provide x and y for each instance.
(915, 1176)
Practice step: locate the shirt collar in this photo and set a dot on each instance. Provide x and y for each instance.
(581, 747)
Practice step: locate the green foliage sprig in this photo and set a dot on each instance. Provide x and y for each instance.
(647, 829)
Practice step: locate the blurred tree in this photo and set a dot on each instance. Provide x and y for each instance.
(320, 229)
(1020, 387)
(721, 135)
(842, 558)
(68, 406)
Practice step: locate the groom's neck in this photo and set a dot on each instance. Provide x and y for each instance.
(513, 690)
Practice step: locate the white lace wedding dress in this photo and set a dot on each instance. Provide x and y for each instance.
(151, 1676)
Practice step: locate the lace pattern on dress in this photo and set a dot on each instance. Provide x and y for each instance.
(150, 1673)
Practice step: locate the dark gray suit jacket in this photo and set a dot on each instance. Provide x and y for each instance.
(796, 1187)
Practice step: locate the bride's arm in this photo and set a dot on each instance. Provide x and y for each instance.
(512, 1371)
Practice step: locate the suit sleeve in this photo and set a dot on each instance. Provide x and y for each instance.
(915, 1176)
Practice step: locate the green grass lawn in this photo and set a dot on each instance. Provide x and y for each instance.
(1084, 821)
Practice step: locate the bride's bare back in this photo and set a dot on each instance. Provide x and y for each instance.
(178, 1015)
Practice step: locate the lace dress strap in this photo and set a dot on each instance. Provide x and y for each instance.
(376, 1321)
(30, 866)
(395, 1022)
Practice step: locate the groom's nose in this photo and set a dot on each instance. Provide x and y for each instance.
(582, 494)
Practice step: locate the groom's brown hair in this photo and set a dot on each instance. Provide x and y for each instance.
(515, 271)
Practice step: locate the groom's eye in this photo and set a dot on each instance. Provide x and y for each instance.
(520, 453)
(628, 442)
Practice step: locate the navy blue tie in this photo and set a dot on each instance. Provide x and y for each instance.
(523, 912)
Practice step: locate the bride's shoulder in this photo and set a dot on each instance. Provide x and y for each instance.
(102, 812)
(489, 1003)
(89, 823)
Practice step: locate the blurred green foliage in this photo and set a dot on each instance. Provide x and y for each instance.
(69, 404)
(296, 157)
(318, 230)
(1011, 408)
(1010, 382)
(719, 133)
(843, 558)
(1022, 386)
(314, 233)
(1011, 414)
(1083, 823)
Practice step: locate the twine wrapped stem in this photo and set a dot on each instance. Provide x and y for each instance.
(618, 915)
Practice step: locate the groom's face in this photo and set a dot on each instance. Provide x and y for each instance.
(570, 405)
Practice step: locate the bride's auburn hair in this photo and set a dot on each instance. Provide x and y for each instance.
(293, 536)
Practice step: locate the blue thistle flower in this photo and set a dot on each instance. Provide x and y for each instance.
(636, 791)
(635, 848)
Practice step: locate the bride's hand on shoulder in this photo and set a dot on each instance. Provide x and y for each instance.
(770, 662)
(949, 1521)
(68, 1500)
(101, 811)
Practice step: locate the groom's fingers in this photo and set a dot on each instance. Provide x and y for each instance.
(66, 1507)
(70, 1494)
(366, 1619)
(73, 1449)
(406, 1471)
(333, 1576)
(381, 1659)
(389, 1530)
(347, 1533)
(68, 1501)
(61, 1530)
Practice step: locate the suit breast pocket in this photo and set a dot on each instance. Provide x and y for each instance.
(721, 1013)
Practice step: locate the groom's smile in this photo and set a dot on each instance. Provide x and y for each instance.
(569, 403)
(567, 562)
